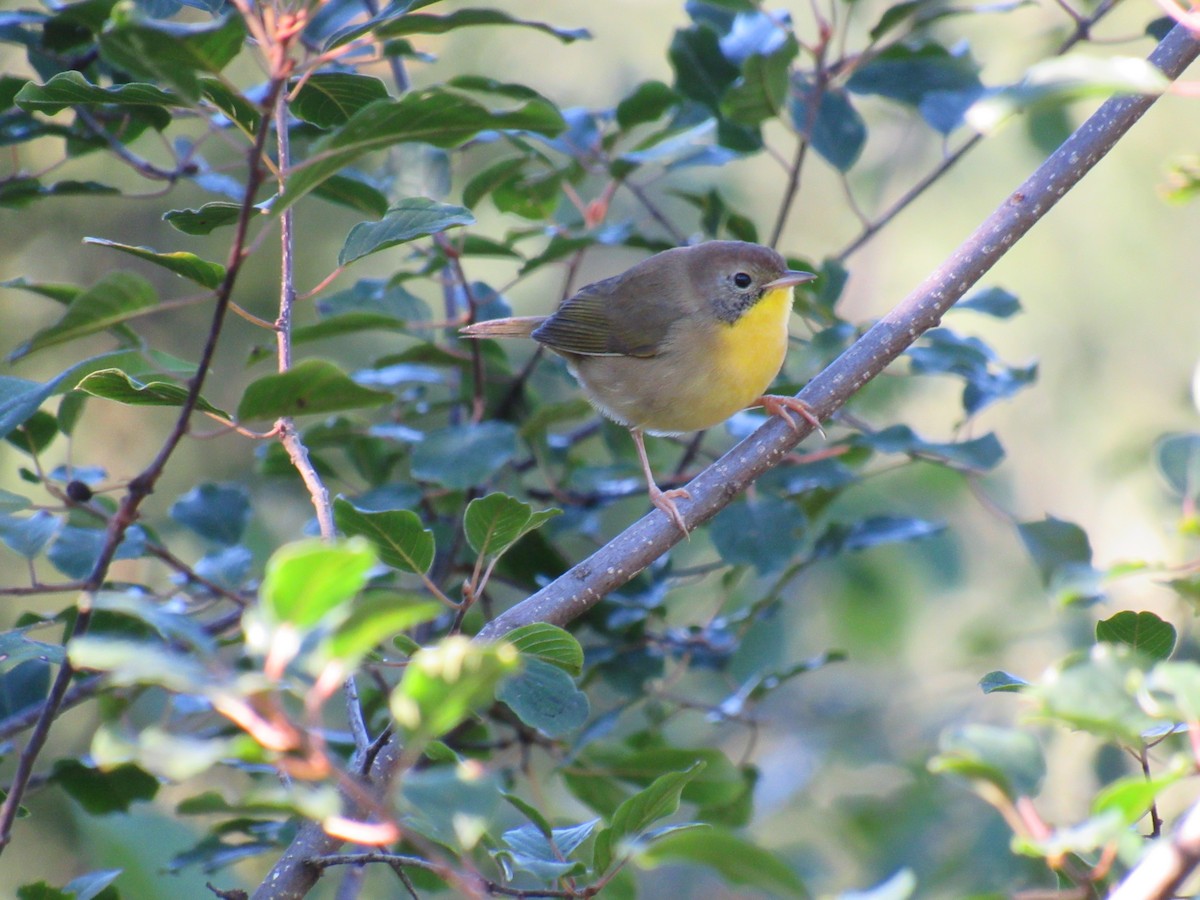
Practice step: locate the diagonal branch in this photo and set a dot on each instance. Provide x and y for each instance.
(585, 584)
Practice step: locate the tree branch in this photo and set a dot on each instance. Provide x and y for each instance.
(585, 584)
(1164, 868)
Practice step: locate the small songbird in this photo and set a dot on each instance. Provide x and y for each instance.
(678, 343)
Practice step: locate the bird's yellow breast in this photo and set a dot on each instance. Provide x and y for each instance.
(707, 371)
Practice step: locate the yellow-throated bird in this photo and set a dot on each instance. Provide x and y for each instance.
(678, 343)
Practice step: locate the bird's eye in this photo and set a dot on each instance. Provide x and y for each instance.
(742, 280)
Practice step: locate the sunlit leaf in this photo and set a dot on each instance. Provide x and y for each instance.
(310, 387)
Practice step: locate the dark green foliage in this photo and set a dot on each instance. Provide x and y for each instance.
(693, 718)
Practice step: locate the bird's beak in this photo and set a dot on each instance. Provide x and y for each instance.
(789, 279)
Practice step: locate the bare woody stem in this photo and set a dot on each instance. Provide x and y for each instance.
(584, 585)
(1163, 870)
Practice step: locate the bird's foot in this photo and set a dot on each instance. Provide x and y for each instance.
(665, 500)
(779, 405)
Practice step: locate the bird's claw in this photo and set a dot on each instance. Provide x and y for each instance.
(665, 500)
(778, 405)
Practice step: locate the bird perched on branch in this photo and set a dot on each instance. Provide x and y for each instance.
(678, 343)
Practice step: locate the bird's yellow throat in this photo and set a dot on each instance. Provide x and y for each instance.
(752, 348)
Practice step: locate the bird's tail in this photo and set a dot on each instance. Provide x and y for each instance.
(518, 326)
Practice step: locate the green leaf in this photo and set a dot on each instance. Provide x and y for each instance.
(436, 116)
(173, 53)
(376, 617)
(104, 791)
(219, 512)
(1172, 691)
(444, 684)
(701, 70)
(1143, 631)
(836, 129)
(204, 220)
(113, 384)
(647, 102)
(1132, 796)
(24, 686)
(763, 87)
(398, 536)
(639, 812)
(1004, 758)
(1096, 695)
(67, 89)
(462, 456)
(409, 219)
(354, 193)
(241, 111)
(1055, 545)
(327, 99)
(130, 662)
(760, 532)
(29, 535)
(112, 300)
(307, 580)
(17, 193)
(549, 643)
(993, 301)
(17, 647)
(421, 23)
(908, 73)
(494, 523)
(546, 854)
(736, 860)
(456, 805)
(76, 550)
(188, 265)
(545, 697)
(311, 387)
(1002, 682)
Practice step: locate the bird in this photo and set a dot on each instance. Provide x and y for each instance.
(677, 343)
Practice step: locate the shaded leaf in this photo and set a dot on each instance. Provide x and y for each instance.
(656, 801)
(407, 220)
(545, 697)
(1005, 758)
(173, 53)
(67, 89)
(760, 532)
(188, 265)
(1002, 682)
(444, 684)
(219, 512)
(400, 539)
(461, 456)
(736, 860)
(836, 129)
(112, 300)
(104, 791)
(436, 116)
(421, 23)
(310, 387)
(330, 98)
(113, 384)
(204, 220)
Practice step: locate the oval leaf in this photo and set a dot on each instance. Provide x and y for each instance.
(408, 220)
(310, 387)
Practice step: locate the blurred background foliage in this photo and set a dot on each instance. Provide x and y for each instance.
(1107, 290)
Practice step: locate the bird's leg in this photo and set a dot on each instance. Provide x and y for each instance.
(664, 500)
(782, 406)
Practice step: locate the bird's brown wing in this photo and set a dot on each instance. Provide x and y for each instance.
(622, 316)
